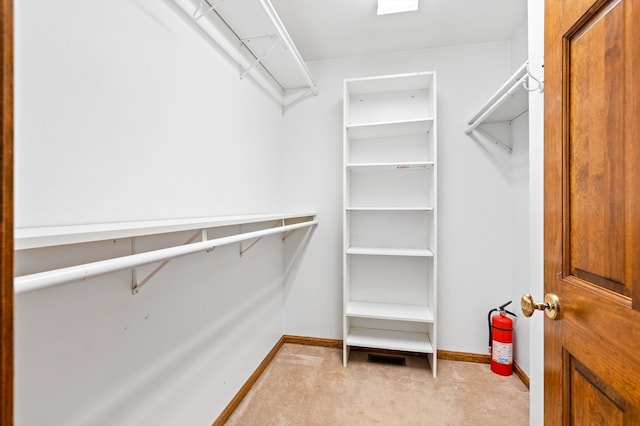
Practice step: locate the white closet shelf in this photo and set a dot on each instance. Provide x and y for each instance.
(383, 251)
(28, 238)
(389, 311)
(390, 128)
(390, 209)
(508, 103)
(40, 280)
(252, 34)
(389, 339)
(407, 165)
(391, 83)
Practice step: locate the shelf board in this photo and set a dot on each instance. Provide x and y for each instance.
(381, 251)
(390, 311)
(251, 33)
(391, 83)
(390, 209)
(510, 101)
(390, 128)
(512, 108)
(409, 165)
(28, 238)
(389, 339)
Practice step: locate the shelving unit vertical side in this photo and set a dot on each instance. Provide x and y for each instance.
(346, 193)
(434, 129)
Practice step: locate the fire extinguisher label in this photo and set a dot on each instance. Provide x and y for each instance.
(502, 353)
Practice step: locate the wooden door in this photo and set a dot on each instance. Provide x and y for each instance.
(6, 215)
(592, 211)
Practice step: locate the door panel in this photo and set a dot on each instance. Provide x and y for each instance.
(596, 154)
(592, 211)
(591, 404)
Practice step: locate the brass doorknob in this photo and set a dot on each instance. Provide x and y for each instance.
(550, 306)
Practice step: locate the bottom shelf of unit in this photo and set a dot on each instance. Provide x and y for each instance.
(389, 339)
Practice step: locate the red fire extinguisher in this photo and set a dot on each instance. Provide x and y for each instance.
(501, 340)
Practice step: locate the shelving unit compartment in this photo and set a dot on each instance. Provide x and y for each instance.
(390, 311)
(389, 229)
(380, 129)
(391, 83)
(390, 106)
(389, 339)
(392, 279)
(389, 149)
(378, 187)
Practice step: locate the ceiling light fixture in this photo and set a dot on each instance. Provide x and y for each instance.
(386, 7)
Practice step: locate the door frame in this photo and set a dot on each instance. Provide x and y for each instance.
(6, 216)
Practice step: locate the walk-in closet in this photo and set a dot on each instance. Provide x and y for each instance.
(198, 182)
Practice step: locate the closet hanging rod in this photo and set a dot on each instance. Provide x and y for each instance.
(227, 39)
(491, 107)
(516, 82)
(225, 42)
(291, 47)
(55, 277)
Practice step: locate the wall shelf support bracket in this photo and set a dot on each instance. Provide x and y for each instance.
(202, 10)
(254, 242)
(296, 95)
(135, 285)
(258, 60)
(286, 234)
(496, 140)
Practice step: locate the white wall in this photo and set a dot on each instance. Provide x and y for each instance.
(123, 113)
(475, 192)
(520, 210)
(520, 239)
(519, 45)
(536, 227)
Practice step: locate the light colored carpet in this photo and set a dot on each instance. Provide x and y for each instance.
(307, 385)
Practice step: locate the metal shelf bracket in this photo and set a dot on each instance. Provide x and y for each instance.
(254, 242)
(294, 96)
(258, 59)
(201, 11)
(135, 285)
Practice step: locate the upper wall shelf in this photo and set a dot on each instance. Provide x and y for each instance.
(507, 104)
(29, 238)
(55, 236)
(253, 36)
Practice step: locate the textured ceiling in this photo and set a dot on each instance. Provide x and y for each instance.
(323, 29)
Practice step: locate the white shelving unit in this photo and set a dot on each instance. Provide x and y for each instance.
(390, 214)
